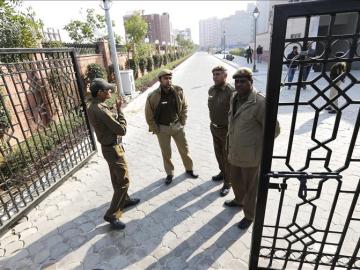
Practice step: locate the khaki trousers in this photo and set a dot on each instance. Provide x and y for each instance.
(115, 157)
(164, 135)
(244, 183)
(333, 93)
(219, 142)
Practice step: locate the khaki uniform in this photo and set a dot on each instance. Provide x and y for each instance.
(108, 131)
(173, 130)
(219, 105)
(336, 70)
(245, 138)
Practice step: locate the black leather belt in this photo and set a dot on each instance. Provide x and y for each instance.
(118, 141)
(219, 126)
(170, 124)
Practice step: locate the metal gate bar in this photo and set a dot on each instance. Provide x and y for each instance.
(45, 135)
(282, 181)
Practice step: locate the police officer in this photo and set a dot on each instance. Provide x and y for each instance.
(219, 104)
(337, 71)
(245, 137)
(166, 113)
(109, 129)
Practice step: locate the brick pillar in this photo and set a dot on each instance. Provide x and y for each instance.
(103, 46)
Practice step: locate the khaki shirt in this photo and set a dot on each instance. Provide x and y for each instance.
(219, 104)
(246, 128)
(106, 127)
(152, 104)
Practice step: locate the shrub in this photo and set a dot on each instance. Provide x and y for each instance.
(157, 60)
(94, 71)
(165, 59)
(150, 64)
(169, 57)
(5, 120)
(238, 51)
(132, 64)
(53, 44)
(142, 64)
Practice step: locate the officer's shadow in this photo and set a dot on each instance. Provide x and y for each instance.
(147, 234)
(208, 256)
(140, 237)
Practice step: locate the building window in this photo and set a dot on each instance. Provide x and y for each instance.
(298, 35)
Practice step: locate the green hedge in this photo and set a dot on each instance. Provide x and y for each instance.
(238, 51)
(150, 64)
(94, 71)
(150, 78)
(142, 64)
(33, 149)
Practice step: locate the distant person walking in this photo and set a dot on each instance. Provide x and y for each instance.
(336, 71)
(248, 54)
(259, 52)
(292, 65)
(307, 66)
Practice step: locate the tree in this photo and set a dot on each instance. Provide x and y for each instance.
(136, 28)
(18, 29)
(87, 31)
(187, 44)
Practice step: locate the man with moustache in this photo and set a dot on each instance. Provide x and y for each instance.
(245, 139)
(166, 113)
(219, 105)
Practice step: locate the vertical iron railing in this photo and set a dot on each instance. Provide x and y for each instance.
(44, 131)
(289, 232)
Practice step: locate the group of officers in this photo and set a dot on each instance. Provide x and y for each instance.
(237, 117)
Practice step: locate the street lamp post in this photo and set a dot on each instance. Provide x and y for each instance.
(224, 43)
(157, 46)
(164, 45)
(114, 59)
(256, 15)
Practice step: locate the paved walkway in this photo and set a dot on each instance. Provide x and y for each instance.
(181, 226)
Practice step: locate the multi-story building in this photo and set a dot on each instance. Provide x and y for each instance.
(159, 27)
(185, 33)
(233, 31)
(210, 34)
(238, 29)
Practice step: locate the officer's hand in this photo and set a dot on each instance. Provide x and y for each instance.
(119, 103)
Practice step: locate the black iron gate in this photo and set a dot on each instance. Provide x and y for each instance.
(44, 131)
(308, 207)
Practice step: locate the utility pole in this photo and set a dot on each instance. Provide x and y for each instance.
(114, 58)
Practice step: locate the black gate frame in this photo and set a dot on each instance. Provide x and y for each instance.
(278, 39)
(81, 88)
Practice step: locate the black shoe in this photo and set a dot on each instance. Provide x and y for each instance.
(244, 223)
(289, 87)
(169, 179)
(224, 191)
(328, 108)
(332, 111)
(192, 174)
(115, 223)
(231, 203)
(218, 177)
(131, 202)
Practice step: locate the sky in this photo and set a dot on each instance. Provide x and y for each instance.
(183, 14)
